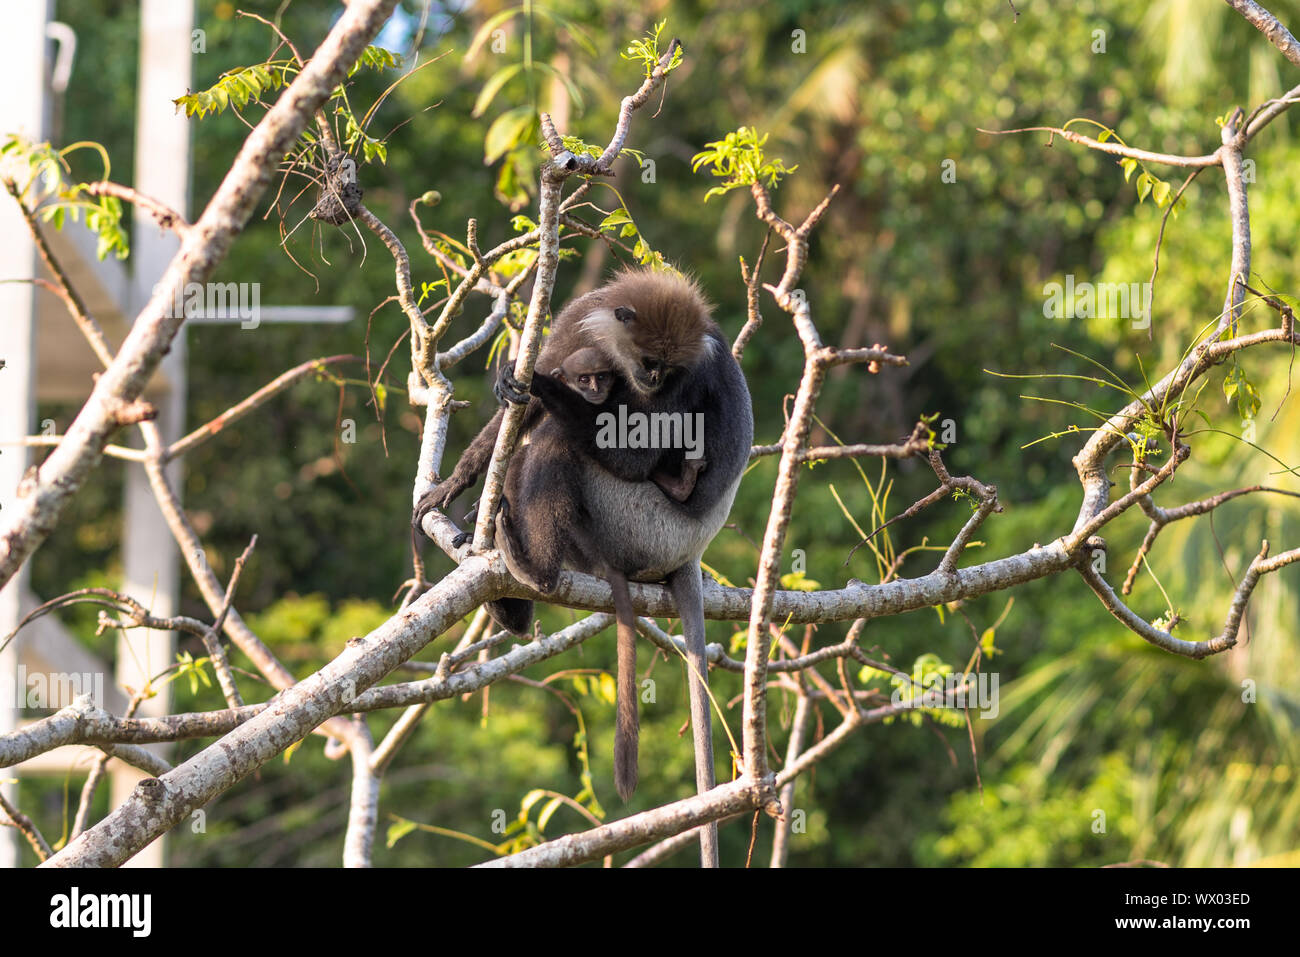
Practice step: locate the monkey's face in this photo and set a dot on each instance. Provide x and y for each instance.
(658, 347)
(587, 373)
(652, 327)
(592, 386)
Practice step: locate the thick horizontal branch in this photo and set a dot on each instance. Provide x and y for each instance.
(82, 723)
(855, 600)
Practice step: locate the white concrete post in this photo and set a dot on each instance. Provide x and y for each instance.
(150, 557)
(23, 109)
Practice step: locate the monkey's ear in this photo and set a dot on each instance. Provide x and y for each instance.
(624, 314)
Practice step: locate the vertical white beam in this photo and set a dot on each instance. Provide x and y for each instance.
(23, 109)
(162, 170)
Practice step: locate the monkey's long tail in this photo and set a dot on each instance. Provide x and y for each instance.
(626, 723)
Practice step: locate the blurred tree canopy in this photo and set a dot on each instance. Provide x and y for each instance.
(877, 98)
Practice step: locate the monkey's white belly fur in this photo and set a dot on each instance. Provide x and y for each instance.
(653, 534)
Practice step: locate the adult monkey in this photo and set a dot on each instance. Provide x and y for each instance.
(643, 532)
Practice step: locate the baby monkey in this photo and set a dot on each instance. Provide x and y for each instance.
(590, 374)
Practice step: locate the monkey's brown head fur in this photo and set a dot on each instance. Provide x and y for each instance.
(651, 325)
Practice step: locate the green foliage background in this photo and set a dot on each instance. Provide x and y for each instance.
(1094, 725)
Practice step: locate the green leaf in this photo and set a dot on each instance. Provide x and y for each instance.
(551, 807)
(797, 581)
(1144, 185)
(493, 86)
(238, 87)
(376, 58)
(399, 829)
(1248, 401)
(1236, 385)
(1130, 165)
(1160, 193)
(513, 181)
(608, 689)
(647, 51)
(738, 159)
(615, 218)
(507, 131)
(1231, 382)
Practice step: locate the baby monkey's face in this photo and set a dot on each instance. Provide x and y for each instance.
(588, 373)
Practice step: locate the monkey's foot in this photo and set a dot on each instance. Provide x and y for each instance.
(470, 519)
(417, 517)
(510, 389)
(441, 495)
(437, 499)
